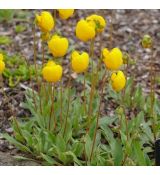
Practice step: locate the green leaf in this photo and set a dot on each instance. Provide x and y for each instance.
(108, 134)
(140, 159)
(88, 146)
(20, 28)
(78, 149)
(6, 14)
(5, 40)
(60, 143)
(117, 152)
(23, 158)
(70, 153)
(49, 159)
(68, 131)
(16, 143)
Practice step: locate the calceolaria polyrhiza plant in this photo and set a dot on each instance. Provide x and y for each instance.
(67, 127)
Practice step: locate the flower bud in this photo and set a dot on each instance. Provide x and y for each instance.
(147, 41)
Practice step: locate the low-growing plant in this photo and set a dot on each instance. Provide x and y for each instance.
(6, 15)
(67, 126)
(17, 69)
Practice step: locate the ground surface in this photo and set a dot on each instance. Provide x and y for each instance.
(128, 28)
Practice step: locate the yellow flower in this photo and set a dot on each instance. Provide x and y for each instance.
(1, 57)
(79, 62)
(52, 72)
(84, 30)
(58, 46)
(65, 13)
(98, 22)
(118, 81)
(45, 21)
(50, 63)
(2, 66)
(113, 59)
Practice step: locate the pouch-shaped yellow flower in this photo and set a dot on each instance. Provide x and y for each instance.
(65, 13)
(113, 59)
(45, 21)
(1, 57)
(98, 21)
(58, 46)
(2, 66)
(79, 62)
(118, 81)
(52, 72)
(50, 63)
(85, 31)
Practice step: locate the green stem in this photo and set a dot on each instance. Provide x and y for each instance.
(152, 94)
(92, 84)
(52, 109)
(61, 103)
(84, 92)
(35, 65)
(61, 100)
(68, 104)
(98, 115)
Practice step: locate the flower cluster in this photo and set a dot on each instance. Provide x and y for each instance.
(86, 29)
(113, 61)
(2, 64)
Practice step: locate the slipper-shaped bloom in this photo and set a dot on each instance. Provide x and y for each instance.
(65, 13)
(45, 21)
(52, 72)
(98, 21)
(113, 59)
(118, 81)
(85, 31)
(58, 46)
(79, 62)
(2, 64)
